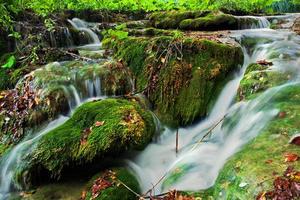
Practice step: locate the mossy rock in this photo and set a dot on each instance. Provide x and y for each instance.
(116, 191)
(179, 75)
(251, 171)
(54, 87)
(258, 78)
(199, 20)
(172, 19)
(211, 23)
(96, 129)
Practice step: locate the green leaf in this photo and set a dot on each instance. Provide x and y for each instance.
(11, 61)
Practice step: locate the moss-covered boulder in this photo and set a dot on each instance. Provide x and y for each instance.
(199, 20)
(96, 129)
(111, 185)
(178, 74)
(55, 89)
(172, 19)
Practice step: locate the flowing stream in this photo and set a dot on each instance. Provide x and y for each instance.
(196, 165)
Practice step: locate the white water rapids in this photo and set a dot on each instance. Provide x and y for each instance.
(196, 165)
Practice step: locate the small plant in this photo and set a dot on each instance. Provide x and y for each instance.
(10, 63)
(49, 24)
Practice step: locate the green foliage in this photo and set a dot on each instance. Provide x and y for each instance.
(11, 61)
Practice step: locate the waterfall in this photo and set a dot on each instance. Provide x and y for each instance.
(81, 25)
(253, 22)
(71, 89)
(14, 158)
(197, 165)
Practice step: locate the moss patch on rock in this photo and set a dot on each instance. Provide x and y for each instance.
(178, 74)
(258, 78)
(96, 129)
(199, 20)
(114, 190)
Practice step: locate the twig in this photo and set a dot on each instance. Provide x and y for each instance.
(209, 132)
(76, 56)
(128, 188)
(177, 141)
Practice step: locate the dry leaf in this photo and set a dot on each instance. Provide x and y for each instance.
(99, 123)
(291, 157)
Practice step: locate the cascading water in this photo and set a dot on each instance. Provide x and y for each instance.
(68, 83)
(253, 22)
(81, 25)
(197, 164)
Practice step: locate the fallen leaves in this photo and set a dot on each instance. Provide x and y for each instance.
(99, 185)
(16, 105)
(282, 114)
(291, 157)
(85, 134)
(285, 187)
(264, 63)
(105, 181)
(99, 123)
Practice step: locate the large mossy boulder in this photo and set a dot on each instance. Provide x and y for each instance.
(111, 185)
(96, 130)
(55, 89)
(179, 75)
(199, 20)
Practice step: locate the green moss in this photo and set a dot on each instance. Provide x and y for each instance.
(178, 74)
(255, 67)
(4, 79)
(172, 19)
(257, 163)
(211, 22)
(257, 79)
(126, 126)
(118, 191)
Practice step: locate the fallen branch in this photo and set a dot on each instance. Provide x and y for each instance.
(76, 56)
(209, 132)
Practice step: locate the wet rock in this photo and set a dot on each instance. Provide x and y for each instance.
(200, 20)
(55, 89)
(296, 26)
(125, 126)
(178, 74)
(258, 78)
